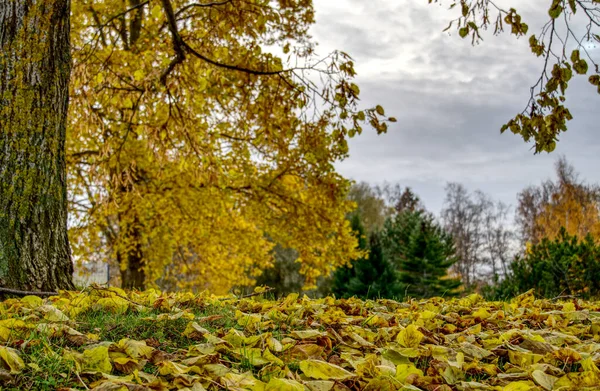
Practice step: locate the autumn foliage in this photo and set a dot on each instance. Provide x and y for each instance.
(108, 339)
(191, 147)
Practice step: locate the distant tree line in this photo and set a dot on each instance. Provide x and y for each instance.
(548, 243)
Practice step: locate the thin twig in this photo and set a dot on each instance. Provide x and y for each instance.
(249, 295)
(202, 5)
(117, 294)
(79, 377)
(257, 293)
(564, 297)
(26, 293)
(215, 383)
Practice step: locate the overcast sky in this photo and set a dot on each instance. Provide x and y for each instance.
(450, 99)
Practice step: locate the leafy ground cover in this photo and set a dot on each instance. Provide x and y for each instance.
(108, 339)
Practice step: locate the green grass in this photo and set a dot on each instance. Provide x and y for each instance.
(134, 325)
(47, 369)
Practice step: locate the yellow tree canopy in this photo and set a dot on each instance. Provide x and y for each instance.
(567, 202)
(192, 147)
(573, 209)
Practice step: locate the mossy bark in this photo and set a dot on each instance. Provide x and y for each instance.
(35, 66)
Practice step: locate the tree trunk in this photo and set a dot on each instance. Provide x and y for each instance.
(35, 66)
(133, 275)
(132, 262)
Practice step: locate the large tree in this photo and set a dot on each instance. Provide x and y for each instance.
(190, 143)
(35, 65)
(481, 232)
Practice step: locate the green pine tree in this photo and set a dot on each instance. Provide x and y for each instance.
(422, 252)
(565, 265)
(371, 277)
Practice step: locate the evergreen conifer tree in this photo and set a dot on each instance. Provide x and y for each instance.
(564, 265)
(422, 252)
(370, 277)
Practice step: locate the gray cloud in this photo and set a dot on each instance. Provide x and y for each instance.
(450, 99)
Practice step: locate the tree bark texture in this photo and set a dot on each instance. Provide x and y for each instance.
(132, 263)
(35, 66)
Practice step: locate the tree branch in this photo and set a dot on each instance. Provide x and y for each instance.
(181, 47)
(202, 5)
(123, 13)
(26, 293)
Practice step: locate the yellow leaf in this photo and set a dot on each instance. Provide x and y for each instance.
(396, 356)
(377, 321)
(577, 379)
(127, 364)
(253, 355)
(135, 349)
(244, 381)
(427, 315)
(305, 351)
(481, 313)
(523, 359)
(276, 384)
(520, 385)
(383, 384)
(96, 359)
(156, 11)
(185, 314)
(127, 103)
(216, 370)
(267, 355)
(194, 331)
(306, 334)
(32, 301)
(202, 84)
(274, 344)
(52, 313)
(113, 304)
(405, 370)
(410, 337)
(11, 359)
(452, 374)
(247, 320)
(99, 77)
(10, 328)
(589, 365)
(171, 368)
(322, 370)
(138, 75)
(110, 386)
(567, 355)
(544, 380)
(474, 351)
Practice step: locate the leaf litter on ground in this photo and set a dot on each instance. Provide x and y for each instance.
(107, 339)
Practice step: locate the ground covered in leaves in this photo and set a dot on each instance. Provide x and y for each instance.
(107, 339)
